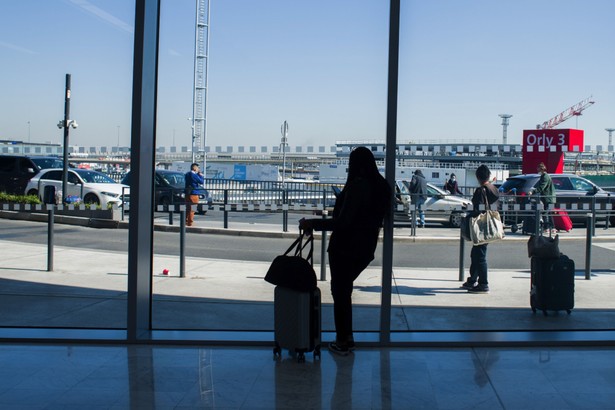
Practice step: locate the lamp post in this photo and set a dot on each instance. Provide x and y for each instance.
(283, 144)
(28, 131)
(66, 124)
(118, 138)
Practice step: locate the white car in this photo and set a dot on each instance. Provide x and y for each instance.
(92, 187)
(440, 206)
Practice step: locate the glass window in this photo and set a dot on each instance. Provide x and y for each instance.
(561, 183)
(52, 176)
(581, 185)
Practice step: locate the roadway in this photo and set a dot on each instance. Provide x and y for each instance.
(433, 247)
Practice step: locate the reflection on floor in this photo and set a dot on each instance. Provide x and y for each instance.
(147, 377)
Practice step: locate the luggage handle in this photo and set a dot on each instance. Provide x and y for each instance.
(299, 245)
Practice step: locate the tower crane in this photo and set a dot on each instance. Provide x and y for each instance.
(575, 110)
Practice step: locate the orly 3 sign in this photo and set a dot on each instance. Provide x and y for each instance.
(553, 140)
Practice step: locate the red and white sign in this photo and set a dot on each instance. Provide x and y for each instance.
(548, 146)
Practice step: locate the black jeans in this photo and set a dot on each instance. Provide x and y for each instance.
(478, 264)
(548, 222)
(343, 273)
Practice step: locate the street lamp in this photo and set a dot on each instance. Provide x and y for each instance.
(118, 138)
(65, 124)
(28, 131)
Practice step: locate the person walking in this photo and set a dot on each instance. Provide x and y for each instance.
(355, 224)
(452, 186)
(546, 191)
(418, 194)
(194, 185)
(486, 192)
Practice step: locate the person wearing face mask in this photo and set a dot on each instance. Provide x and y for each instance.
(452, 186)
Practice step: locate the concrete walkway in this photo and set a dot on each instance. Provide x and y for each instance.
(88, 289)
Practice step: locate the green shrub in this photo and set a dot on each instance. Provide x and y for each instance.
(19, 199)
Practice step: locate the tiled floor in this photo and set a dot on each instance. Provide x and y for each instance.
(146, 377)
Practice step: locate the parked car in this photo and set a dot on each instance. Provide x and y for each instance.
(17, 170)
(92, 187)
(569, 189)
(440, 206)
(169, 189)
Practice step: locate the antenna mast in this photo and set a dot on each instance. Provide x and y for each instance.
(199, 94)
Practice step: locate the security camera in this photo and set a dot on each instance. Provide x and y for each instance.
(74, 124)
(61, 124)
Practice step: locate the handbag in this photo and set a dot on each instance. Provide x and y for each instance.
(465, 227)
(543, 247)
(293, 271)
(486, 227)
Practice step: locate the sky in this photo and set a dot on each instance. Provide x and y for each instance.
(321, 65)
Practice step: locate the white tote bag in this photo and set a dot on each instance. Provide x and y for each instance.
(486, 227)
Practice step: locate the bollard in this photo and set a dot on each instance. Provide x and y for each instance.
(413, 222)
(225, 210)
(537, 225)
(323, 251)
(170, 216)
(50, 217)
(462, 246)
(284, 211)
(182, 244)
(588, 247)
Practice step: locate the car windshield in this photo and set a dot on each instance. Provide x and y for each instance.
(94, 177)
(45, 163)
(175, 179)
(513, 183)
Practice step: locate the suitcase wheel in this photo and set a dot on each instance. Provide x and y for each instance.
(533, 310)
(568, 311)
(301, 358)
(317, 352)
(277, 351)
(544, 312)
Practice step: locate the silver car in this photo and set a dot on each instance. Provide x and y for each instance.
(440, 206)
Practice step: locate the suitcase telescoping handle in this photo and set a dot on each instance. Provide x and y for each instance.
(299, 245)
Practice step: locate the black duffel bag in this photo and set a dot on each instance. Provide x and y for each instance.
(294, 271)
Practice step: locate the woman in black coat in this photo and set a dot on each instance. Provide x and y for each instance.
(355, 225)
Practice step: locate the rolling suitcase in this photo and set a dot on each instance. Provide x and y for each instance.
(561, 220)
(529, 225)
(297, 322)
(552, 284)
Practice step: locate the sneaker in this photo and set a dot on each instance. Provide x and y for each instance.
(342, 350)
(468, 284)
(479, 289)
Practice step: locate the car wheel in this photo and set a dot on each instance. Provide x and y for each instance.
(455, 219)
(91, 199)
(33, 192)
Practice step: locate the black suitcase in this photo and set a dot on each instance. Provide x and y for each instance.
(297, 322)
(552, 284)
(529, 225)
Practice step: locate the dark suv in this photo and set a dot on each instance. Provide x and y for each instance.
(17, 170)
(569, 189)
(169, 188)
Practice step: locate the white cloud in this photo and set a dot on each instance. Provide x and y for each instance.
(103, 15)
(174, 53)
(16, 48)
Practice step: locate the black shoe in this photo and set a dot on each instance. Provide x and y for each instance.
(342, 350)
(469, 284)
(479, 289)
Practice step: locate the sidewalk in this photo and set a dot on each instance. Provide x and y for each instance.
(88, 289)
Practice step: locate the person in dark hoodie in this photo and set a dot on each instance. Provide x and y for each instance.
(355, 225)
(478, 281)
(452, 186)
(418, 194)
